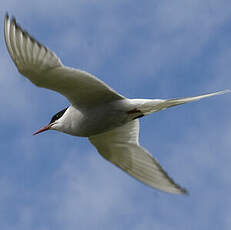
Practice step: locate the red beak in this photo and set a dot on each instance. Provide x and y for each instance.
(47, 127)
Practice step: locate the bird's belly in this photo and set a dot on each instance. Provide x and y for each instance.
(95, 122)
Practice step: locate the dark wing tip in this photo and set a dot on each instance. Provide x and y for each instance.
(181, 190)
(6, 16)
(184, 191)
(13, 20)
(17, 26)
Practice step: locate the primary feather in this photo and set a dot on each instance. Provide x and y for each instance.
(121, 147)
(42, 67)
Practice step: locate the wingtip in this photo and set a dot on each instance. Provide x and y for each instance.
(13, 20)
(7, 18)
(176, 191)
(222, 92)
(184, 192)
(179, 190)
(226, 91)
(6, 15)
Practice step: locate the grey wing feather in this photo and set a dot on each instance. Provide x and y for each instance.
(43, 68)
(120, 146)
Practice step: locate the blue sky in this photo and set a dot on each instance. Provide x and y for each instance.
(150, 49)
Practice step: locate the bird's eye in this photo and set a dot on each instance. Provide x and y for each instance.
(58, 115)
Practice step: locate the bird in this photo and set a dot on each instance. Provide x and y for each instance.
(109, 120)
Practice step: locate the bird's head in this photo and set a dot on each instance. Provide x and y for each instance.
(55, 123)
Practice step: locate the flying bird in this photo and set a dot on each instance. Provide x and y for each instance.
(109, 120)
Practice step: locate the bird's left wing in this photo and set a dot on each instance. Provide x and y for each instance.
(43, 68)
(120, 146)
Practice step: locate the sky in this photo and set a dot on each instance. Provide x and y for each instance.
(150, 49)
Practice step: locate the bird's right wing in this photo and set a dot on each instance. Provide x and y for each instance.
(120, 146)
(43, 68)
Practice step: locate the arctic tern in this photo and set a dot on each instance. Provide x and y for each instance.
(109, 120)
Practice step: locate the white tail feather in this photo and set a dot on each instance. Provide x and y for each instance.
(151, 106)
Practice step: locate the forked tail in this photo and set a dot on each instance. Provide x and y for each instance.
(151, 106)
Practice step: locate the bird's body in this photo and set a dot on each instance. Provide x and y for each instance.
(89, 121)
(92, 120)
(98, 112)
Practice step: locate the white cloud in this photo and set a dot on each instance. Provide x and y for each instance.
(92, 195)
